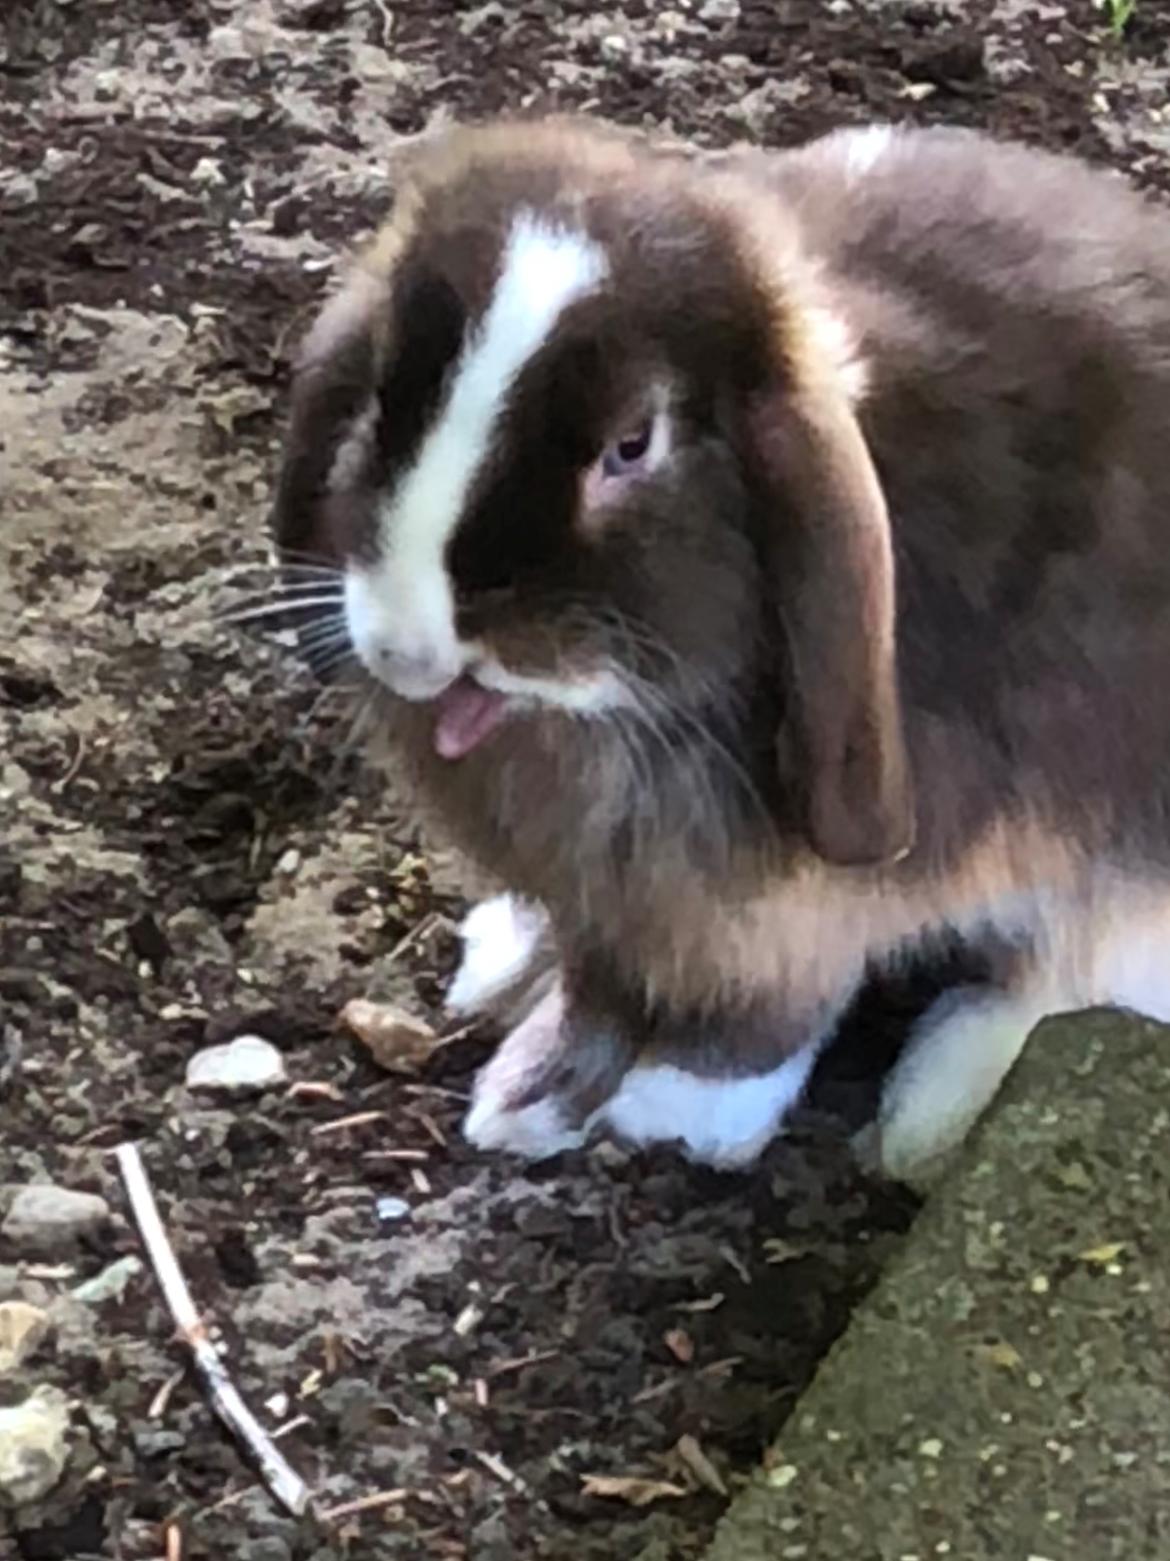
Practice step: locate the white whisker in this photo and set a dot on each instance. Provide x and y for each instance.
(285, 605)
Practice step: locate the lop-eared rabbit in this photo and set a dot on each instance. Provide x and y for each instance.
(761, 566)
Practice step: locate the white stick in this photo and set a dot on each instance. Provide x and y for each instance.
(282, 1480)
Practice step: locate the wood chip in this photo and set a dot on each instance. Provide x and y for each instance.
(708, 1304)
(315, 1090)
(353, 1509)
(468, 1320)
(680, 1344)
(429, 1125)
(496, 1465)
(395, 1039)
(158, 1404)
(358, 1119)
(689, 1453)
(629, 1488)
(519, 1362)
(1101, 1257)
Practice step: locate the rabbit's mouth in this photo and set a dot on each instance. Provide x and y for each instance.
(466, 714)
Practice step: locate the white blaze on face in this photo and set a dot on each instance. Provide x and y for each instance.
(401, 611)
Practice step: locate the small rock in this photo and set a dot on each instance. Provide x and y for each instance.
(249, 1063)
(157, 1441)
(391, 1210)
(110, 1284)
(33, 1446)
(394, 1038)
(48, 1219)
(22, 1329)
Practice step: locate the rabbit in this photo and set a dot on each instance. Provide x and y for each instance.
(758, 563)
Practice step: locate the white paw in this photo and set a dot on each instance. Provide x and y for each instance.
(535, 1132)
(539, 1129)
(949, 1074)
(499, 936)
(726, 1123)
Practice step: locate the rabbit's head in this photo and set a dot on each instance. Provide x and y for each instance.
(580, 432)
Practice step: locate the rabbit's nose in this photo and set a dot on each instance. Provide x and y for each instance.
(401, 639)
(420, 676)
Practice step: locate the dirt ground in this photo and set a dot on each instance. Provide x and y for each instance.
(190, 848)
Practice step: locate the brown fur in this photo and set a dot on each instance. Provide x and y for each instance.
(919, 531)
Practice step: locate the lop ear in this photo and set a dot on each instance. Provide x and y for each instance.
(831, 559)
(333, 386)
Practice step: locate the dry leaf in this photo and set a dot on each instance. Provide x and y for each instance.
(1103, 1256)
(394, 1038)
(777, 1250)
(628, 1488)
(680, 1344)
(689, 1453)
(1005, 1356)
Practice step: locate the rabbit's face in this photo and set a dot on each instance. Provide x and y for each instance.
(542, 431)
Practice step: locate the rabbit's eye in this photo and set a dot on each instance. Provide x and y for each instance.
(625, 464)
(629, 453)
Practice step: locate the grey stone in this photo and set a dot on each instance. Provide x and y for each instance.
(157, 1441)
(34, 1446)
(23, 1328)
(247, 1064)
(47, 1219)
(1003, 1392)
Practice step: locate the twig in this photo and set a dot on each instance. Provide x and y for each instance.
(496, 1465)
(432, 1127)
(411, 1155)
(518, 1363)
(359, 1119)
(317, 1090)
(282, 1480)
(420, 930)
(158, 1404)
(351, 1509)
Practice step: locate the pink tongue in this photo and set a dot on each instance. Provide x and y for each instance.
(465, 715)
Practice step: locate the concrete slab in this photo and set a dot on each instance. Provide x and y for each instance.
(1005, 1392)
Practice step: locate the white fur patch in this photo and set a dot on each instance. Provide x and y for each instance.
(1132, 955)
(951, 1070)
(401, 611)
(726, 1123)
(579, 696)
(494, 1122)
(835, 342)
(499, 938)
(863, 146)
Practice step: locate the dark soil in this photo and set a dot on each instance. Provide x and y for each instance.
(190, 849)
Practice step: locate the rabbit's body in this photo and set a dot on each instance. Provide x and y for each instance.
(758, 737)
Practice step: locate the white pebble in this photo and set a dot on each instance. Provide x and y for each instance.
(249, 1063)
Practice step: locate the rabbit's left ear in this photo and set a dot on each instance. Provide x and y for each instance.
(830, 561)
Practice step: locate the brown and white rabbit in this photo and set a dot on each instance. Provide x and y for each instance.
(765, 560)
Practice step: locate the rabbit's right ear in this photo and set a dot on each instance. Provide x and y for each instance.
(334, 384)
(829, 556)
